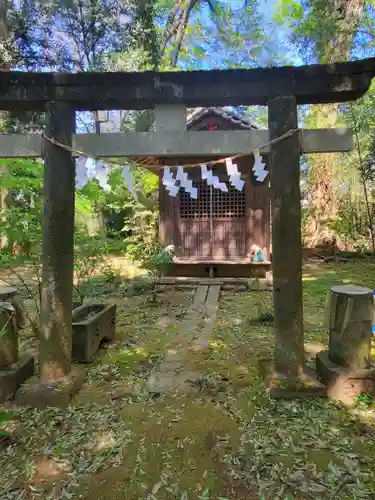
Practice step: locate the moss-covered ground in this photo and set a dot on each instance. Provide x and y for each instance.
(223, 439)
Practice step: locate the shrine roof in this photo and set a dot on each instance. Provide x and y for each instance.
(230, 115)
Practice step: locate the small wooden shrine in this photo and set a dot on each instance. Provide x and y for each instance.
(213, 235)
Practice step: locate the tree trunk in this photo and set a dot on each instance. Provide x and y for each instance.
(189, 4)
(322, 185)
(331, 47)
(4, 194)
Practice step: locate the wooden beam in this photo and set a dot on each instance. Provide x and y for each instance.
(163, 143)
(284, 164)
(58, 228)
(143, 90)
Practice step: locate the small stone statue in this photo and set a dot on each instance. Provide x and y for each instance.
(14, 369)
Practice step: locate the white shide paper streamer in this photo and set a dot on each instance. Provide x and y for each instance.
(234, 175)
(128, 180)
(259, 167)
(87, 169)
(213, 180)
(184, 182)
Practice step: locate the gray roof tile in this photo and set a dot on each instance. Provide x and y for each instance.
(226, 114)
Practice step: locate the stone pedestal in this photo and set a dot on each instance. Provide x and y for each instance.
(56, 394)
(281, 386)
(14, 370)
(14, 376)
(346, 367)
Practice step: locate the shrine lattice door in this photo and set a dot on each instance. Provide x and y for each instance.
(212, 227)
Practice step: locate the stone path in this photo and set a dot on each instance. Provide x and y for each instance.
(211, 309)
(196, 331)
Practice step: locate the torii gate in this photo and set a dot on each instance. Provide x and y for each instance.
(282, 89)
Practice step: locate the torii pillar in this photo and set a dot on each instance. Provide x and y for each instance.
(287, 376)
(57, 381)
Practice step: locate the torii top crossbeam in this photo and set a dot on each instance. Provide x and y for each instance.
(91, 91)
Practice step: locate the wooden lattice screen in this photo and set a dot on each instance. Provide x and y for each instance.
(213, 203)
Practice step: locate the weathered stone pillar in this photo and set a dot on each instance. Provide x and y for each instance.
(288, 376)
(284, 162)
(57, 266)
(346, 366)
(58, 232)
(14, 369)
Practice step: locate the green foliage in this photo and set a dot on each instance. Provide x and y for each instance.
(351, 225)
(157, 260)
(5, 416)
(87, 30)
(141, 223)
(22, 228)
(233, 32)
(323, 30)
(338, 189)
(365, 399)
(21, 225)
(21, 218)
(160, 260)
(265, 315)
(143, 234)
(136, 286)
(89, 261)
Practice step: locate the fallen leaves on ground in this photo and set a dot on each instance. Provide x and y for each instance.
(223, 440)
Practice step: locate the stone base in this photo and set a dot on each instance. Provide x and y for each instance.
(12, 378)
(343, 384)
(283, 387)
(57, 394)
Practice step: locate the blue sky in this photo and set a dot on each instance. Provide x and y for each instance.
(278, 51)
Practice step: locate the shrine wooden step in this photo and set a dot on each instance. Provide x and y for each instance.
(255, 284)
(217, 262)
(173, 280)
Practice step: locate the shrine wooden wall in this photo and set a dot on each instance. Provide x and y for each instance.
(243, 220)
(232, 236)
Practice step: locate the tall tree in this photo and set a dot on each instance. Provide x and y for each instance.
(71, 35)
(324, 31)
(5, 60)
(225, 26)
